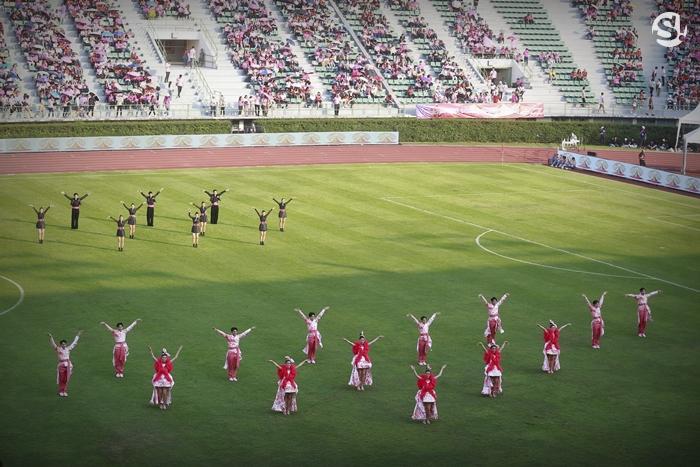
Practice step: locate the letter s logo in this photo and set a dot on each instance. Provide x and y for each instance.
(667, 26)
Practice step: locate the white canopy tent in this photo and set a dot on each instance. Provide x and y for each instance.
(694, 138)
(692, 118)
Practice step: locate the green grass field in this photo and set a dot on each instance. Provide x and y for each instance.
(374, 242)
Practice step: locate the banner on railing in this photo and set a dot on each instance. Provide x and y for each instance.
(635, 172)
(500, 110)
(106, 143)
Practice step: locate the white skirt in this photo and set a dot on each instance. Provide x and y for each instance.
(545, 362)
(488, 385)
(162, 383)
(278, 404)
(419, 408)
(355, 375)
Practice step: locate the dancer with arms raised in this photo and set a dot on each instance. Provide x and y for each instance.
(131, 220)
(425, 342)
(75, 203)
(64, 369)
(493, 373)
(121, 349)
(313, 337)
(234, 354)
(282, 212)
(262, 226)
(120, 231)
(287, 389)
(361, 373)
(493, 323)
(597, 323)
(426, 397)
(150, 206)
(551, 349)
(41, 221)
(163, 380)
(643, 309)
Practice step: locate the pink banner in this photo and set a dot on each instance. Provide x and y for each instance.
(500, 110)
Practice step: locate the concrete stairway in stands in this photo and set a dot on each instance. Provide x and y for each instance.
(77, 45)
(582, 50)
(287, 36)
(540, 90)
(653, 53)
(436, 22)
(225, 78)
(26, 86)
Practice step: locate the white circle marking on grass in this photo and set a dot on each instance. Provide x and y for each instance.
(478, 242)
(21, 295)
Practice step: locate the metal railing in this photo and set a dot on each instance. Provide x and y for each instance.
(103, 111)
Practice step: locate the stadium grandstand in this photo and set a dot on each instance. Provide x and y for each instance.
(142, 59)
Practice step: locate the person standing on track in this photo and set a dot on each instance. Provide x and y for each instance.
(121, 349)
(313, 337)
(262, 226)
(234, 354)
(64, 370)
(120, 231)
(131, 220)
(40, 221)
(425, 343)
(493, 323)
(361, 374)
(643, 310)
(551, 348)
(75, 202)
(202, 217)
(282, 213)
(215, 199)
(287, 389)
(150, 205)
(195, 228)
(426, 397)
(597, 323)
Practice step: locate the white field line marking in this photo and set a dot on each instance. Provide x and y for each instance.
(606, 186)
(490, 193)
(21, 295)
(691, 216)
(478, 242)
(674, 223)
(482, 227)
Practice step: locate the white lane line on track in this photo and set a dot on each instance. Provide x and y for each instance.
(656, 219)
(561, 250)
(21, 295)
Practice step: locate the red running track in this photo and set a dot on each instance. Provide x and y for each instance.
(93, 161)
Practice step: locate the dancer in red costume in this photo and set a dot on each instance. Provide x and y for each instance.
(426, 397)
(64, 370)
(425, 342)
(597, 323)
(643, 310)
(121, 349)
(287, 389)
(361, 374)
(234, 354)
(163, 380)
(493, 323)
(551, 349)
(313, 337)
(493, 372)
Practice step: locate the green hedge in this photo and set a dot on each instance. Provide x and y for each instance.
(114, 128)
(474, 131)
(410, 130)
